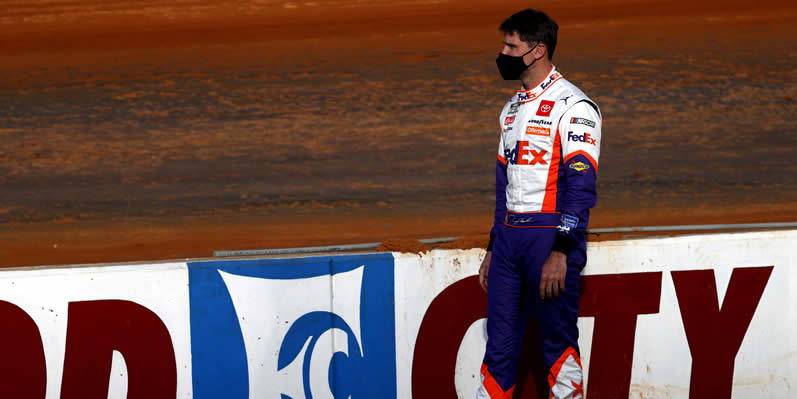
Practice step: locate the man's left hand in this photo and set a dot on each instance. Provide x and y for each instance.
(553, 275)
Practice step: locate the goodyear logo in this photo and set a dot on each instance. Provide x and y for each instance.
(541, 122)
(579, 166)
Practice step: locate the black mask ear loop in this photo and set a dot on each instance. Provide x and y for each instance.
(532, 62)
(532, 49)
(535, 59)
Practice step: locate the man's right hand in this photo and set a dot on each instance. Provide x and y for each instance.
(485, 267)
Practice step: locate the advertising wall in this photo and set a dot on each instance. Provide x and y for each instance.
(684, 317)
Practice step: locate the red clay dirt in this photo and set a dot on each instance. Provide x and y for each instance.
(152, 130)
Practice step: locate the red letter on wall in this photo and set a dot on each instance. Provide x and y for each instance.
(444, 325)
(715, 334)
(95, 329)
(615, 300)
(23, 372)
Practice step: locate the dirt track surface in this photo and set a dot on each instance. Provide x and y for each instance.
(157, 130)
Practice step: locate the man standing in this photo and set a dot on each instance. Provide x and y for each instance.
(545, 185)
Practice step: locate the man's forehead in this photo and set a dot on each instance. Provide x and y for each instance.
(512, 39)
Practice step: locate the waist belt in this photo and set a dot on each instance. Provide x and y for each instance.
(533, 219)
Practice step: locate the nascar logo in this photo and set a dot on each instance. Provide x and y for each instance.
(582, 121)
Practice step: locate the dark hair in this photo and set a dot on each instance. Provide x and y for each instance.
(532, 26)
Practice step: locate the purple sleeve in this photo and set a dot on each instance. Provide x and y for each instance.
(580, 197)
(580, 130)
(500, 199)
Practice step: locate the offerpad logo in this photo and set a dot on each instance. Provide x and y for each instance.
(545, 108)
(538, 131)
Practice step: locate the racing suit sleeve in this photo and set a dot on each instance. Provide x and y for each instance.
(500, 191)
(580, 137)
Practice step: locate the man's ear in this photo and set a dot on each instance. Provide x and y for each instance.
(540, 51)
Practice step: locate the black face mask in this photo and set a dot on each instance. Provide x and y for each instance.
(512, 67)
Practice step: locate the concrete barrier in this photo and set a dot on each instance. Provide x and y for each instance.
(693, 316)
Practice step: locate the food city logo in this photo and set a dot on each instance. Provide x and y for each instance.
(226, 360)
(584, 138)
(268, 329)
(615, 301)
(509, 120)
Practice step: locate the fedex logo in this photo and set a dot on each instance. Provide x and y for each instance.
(584, 138)
(523, 96)
(523, 154)
(553, 78)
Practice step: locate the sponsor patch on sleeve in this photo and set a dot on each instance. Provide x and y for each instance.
(582, 121)
(583, 138)
(567, 223)
(579, 166)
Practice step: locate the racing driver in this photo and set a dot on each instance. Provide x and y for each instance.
(545, 185)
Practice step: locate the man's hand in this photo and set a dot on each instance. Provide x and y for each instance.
(485, 267)
(553, 275)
